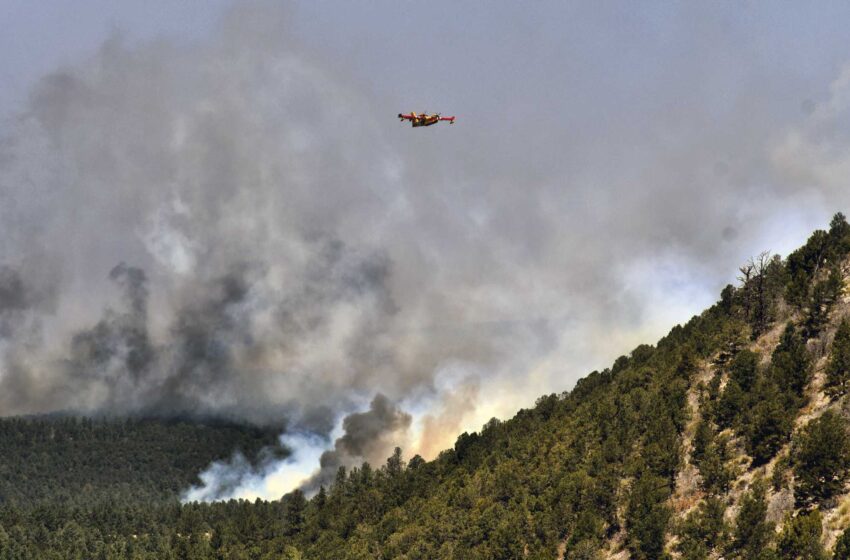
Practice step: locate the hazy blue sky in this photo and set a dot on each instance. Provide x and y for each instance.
(39, 37)
(539, 73)
(476, 54)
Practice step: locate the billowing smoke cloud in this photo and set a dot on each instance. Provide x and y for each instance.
(280, 259)
(367, 436)
(233, 227)
(113, 355)
(269, 262)
(274, 473)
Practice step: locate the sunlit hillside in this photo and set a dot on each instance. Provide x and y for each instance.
(726, 439)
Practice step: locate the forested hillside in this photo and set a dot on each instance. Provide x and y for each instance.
(728, 438)
(78, 461)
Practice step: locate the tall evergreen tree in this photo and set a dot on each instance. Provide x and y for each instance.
(647, 516)
(791, 365)
(294, 508)
(801, 538)
(821, 458)
(824, 295)
(703, 531)
(839, 236)
(752, 531)
(744, 369)
(838, 367)
(768, 423)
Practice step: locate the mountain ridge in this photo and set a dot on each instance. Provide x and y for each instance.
(708, 444)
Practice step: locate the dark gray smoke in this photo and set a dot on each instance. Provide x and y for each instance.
(221, 339)
(114, 354)
(367, 436)
(13, 300)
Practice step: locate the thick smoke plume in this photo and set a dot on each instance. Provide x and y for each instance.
(219, 229)
(234, 228)
(367, 436)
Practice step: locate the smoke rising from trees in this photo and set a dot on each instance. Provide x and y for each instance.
(235, 228)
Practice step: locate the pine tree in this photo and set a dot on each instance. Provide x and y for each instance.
(294, 507)
(801, 538)
(824, 295)
(768, 423)
(716, 475)
(731, 405)
(703, 437)
(744, 369)
(703, 530)
(821, 457)
(791, 365)
(647, 516)
(839, 236)
(395, 464)
(752, 531)
(838, 368)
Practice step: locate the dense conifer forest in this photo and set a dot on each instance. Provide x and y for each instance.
(81, 460)
(728, 438)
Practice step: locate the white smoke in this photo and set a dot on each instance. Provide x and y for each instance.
(238, 478)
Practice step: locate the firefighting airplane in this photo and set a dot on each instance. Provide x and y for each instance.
(424, 119)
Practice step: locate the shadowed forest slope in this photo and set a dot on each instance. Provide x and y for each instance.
(49, 459)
